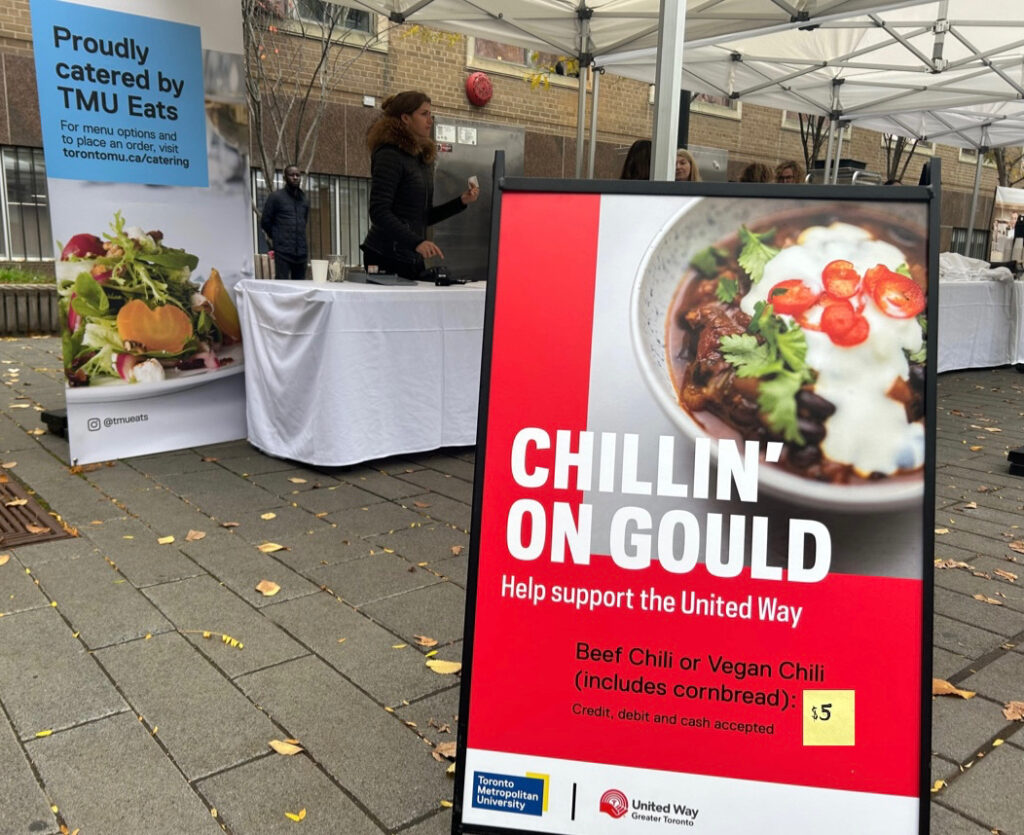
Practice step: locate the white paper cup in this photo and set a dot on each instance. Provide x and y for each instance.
(319, 267)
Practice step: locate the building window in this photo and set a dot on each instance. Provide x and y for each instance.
(979, 243)
(322, 11)
(970, 155)
(791, 121)
(519, 61)
(26, 206)
(721, 106)
(339, 213)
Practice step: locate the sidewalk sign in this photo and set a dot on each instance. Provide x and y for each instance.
(700, 599)
(145, 135)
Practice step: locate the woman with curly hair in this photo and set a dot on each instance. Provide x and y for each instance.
(402, 154)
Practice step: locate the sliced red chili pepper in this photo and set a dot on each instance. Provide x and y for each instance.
(898, 296)
(875, 274)
(857, 333)
(841, 280)
(791, 296)
(837, 318)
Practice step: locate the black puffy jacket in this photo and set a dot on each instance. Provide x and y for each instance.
(284, 222)
(402, 190)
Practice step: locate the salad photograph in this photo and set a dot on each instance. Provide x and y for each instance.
(134, 312)
(808, 327)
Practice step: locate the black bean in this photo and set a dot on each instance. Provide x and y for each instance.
(813, 432)
(814, 405)
(804, 457)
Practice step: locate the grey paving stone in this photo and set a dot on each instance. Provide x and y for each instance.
(947, 822)
(965, 580)
(943, 769)
(995, 618)
(380, 484)
(98, 602)
(437, 824)
(372, 577)
(343, 496)
(170, 463)
(459, 462)
(946, 663)
(19, 590)
(454, 568)
(47, 680)
(460, 489)
(202, 604)
(24, 804)
(135, 549)
(230, 450)
(241, 566)
(287, 523)
(326, 545)
(431, 542)
(1002, 680)
(359, 649)
(112, 777)
(444, 510)
(437, 611)
(436, 716)
(255, 796)
(982, 791)
(254, 463)
(382, 517)
(371, 752)
(220, 493)
(281, 483)
(959, 637)
(79, 503)
(201, 718)
(962, 726)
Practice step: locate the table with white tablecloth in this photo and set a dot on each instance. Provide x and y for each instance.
(339, 373)
(979, 324)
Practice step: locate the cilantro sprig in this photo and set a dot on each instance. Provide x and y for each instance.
(756, 253)
(779, 360)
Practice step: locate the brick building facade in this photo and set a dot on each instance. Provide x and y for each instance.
(408, 57)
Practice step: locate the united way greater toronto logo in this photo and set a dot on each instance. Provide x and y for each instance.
(520, 794)
(614, 803)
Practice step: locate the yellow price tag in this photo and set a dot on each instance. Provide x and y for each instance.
(829, 717)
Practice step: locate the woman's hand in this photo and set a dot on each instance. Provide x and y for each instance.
(428, 249)
(470, 195)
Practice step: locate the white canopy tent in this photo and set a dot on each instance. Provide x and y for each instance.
(588, 30)
(954, 57)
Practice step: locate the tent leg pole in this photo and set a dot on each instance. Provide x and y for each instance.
(839, 154)
(593, 125)
(828, 154)
(581, 118)
(671, 31)
(974, 201)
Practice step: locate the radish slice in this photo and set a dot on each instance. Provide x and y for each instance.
(123, 364)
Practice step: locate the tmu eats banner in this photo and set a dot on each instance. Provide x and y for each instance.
(145, 133)
(699, 604)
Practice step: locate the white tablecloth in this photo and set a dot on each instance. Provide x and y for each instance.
(979, 324)
(341, 373)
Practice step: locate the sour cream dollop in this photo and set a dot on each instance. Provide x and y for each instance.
(869, 429)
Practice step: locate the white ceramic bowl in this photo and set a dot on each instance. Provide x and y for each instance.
(698, 225)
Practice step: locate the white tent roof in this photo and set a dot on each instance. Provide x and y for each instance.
(876, 64)
(982, 126)
(611, 25)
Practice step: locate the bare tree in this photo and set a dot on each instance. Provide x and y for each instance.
(898, 152)
(296, 51)
(1009, 165)
(813, 135)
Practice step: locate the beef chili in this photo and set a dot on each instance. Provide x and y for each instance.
(808, 328)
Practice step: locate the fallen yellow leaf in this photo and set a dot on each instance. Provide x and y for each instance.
(399, 646)
(456, 550)
(268, 588)
(421, 504)
(229, 524)
(165, 540)
(268, 516)
(36, 528)
(4, 558)
(296, 480)
(43, 733)
(996, 743)
(37, 432)
(941, 687)
(1014, 711)
(424, 641)
(293, 817)
(285, 748)
(16, 503)
(446, 750)
(7, 465)
(941, 531)
(976, 448)
(270, 547)
(939, 784)
(444, 668)
(450, 769)
(342, 640)
(21, 405)
(431, 654)
(447, 804)
(990, 600)
(195, 536)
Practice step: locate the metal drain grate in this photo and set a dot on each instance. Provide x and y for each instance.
(23, 520)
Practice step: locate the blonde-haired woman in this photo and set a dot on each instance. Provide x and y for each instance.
(686, 167)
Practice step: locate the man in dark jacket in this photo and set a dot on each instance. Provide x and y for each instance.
(284, 223)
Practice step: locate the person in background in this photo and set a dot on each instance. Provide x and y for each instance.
(757, 172)
(638, 161)
(402, 154)
(284, 223)
(686, 167)
(789, 171)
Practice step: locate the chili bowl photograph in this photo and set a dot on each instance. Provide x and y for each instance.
(800, 322)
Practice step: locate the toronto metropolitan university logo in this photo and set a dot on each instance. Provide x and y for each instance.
(614, 803)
